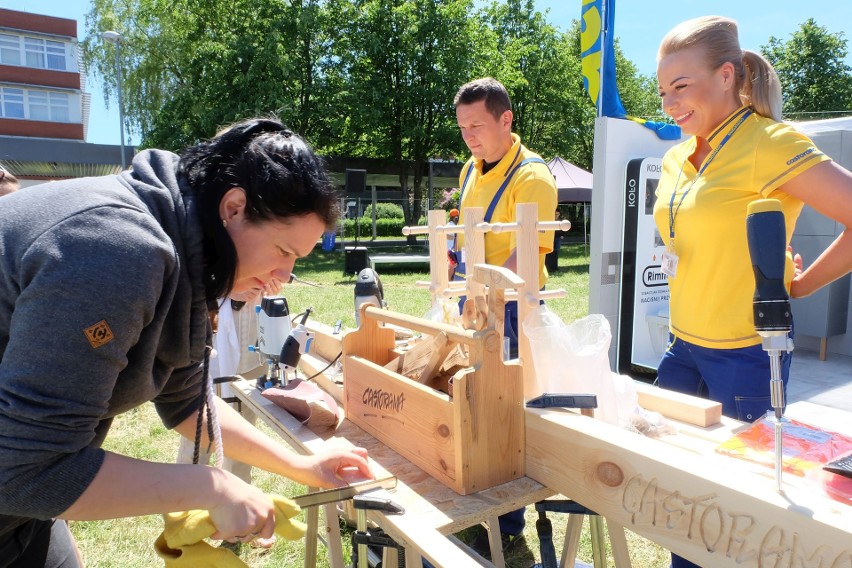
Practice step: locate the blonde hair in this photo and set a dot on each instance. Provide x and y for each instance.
(716, 36)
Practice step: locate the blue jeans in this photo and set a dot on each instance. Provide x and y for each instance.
(738, 378)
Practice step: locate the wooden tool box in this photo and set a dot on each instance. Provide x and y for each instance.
(474, 439)
(470, 441)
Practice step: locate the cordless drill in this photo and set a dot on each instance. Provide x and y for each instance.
(773, 319)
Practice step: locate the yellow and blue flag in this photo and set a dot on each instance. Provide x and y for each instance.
(597, 59)
(597, 56)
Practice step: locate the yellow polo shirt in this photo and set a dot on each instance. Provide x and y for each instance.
(531, 183)
(711, 296)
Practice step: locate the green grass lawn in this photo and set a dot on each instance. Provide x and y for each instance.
(127, 543)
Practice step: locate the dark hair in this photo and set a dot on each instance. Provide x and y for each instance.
(281, 176)
(490, 90)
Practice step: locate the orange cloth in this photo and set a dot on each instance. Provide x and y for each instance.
(181, 545)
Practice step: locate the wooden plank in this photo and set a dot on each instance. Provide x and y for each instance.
(474, 247)
(709, 508)
(456, 358)
(528, 270)
(678, 406)
(443, 346)
(416, 358)
(409, 322)
(370, 340)
(490, 414)
(439, 264)
(427, 502)
(431, 545)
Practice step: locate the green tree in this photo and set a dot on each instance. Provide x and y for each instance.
(535, 63)
(361, 78)
(816, 81)
(540, 67)
(191, 66)
(398, 58)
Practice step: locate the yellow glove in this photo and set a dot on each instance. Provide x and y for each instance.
(181, 545)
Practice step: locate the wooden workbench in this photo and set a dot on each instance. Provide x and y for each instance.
(715, 510)
(677, 491)
(431, 509)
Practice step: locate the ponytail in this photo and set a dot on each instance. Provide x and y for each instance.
(761, 87)
(756, 83)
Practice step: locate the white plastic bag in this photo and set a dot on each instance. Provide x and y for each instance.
(573, 358)
(444, 311)
(626, 400)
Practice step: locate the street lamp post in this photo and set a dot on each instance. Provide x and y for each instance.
(115, 39)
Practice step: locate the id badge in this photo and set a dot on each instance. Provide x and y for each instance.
(669, 263)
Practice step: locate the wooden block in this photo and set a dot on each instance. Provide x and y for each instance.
(456, 358)
(497, 277)
(439, 354)
(395, 364)
(413, 360)
(678, 406)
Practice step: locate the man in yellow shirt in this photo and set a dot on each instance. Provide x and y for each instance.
(500, 174)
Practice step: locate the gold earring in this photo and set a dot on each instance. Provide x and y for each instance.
(224, 223)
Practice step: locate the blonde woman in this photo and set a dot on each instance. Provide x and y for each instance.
(728, 100)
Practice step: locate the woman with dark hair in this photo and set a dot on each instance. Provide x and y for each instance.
(106, 287)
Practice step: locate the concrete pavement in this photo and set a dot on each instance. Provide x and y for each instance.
(828, 382)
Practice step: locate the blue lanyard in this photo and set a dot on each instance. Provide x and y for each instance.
(672, 210)
(496, 199)
(470, 171)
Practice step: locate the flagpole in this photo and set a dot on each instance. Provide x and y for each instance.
(604, 32)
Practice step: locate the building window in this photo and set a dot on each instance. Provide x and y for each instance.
(55, 55)
(10, 50)
(46, 106)
(12, 103)
(32, 52)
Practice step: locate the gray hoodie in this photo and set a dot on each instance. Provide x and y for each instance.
(102, 308)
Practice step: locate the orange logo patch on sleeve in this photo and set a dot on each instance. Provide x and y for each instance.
(99, 334)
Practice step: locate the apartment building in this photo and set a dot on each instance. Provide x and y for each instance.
(44, 106)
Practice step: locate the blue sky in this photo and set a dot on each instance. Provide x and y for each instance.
(639, 26)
